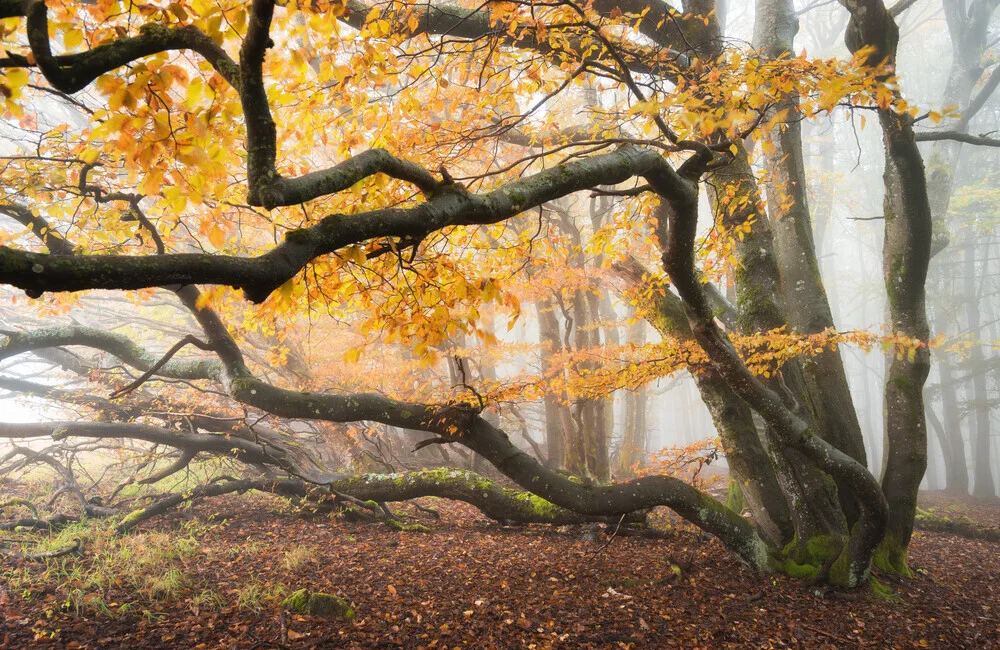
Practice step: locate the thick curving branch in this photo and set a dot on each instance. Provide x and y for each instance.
(278, 191)
(96, 402)
(456, 423)
(450, 205)
(53, 240)
(662, 24)
(120, 346)
(463, 425)
(495, 501)
(906, 254)
(70, 73)
(746, 456)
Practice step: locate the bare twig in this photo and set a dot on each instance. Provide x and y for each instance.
(189, 339)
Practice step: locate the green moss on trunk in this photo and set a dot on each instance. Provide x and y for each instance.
(735, 500)
(892, 556)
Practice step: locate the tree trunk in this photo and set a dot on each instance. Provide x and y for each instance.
(788, 210)
(634, 439)
(588, 414)
(968, 25)
(905, 257)
(749, 463)
(676, 230)
(979, 432)
(956, 468)
(555, 419)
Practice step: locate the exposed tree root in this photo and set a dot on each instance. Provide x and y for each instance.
(54, 523)
(46, 555)
(372, 490)
(961, 526)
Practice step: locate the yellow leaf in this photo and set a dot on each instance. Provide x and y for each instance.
(285, 290)
(150, 185)
(216, 236)
(934, 116)
(16, 77)
(72, 39)
(204, 300)
(352, 355)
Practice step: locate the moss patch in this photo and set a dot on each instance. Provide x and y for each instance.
(318, 604)
(735, 500)
(409, 528)
(892, 556)
(880, 591)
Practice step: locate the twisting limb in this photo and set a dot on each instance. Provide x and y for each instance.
(70, 73)
(75, 547)
(10, 503)
(116, 344)
(677, 229)
(185, 458)
(372, 491)
(265, 449)
(907, 249)
(53, 523)
(55, 242)
(190, 339)
(259, 276)
(471, 430)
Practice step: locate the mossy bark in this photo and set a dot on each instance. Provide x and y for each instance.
(808, 307)
(905, 259)
(748, 460)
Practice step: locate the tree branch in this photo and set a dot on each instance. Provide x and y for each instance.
(189, 339)
(901, 6)
(70, 73)
(958, 136)
(258, 276)
(116, 344)
(984, 94)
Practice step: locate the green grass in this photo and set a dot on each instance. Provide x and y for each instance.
(255, 596)
(297, 557)
(149, 568)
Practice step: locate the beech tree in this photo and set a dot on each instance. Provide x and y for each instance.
(399, 172)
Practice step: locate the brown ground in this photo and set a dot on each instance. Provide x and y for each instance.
(473, 583)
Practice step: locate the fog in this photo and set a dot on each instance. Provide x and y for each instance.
(844, 163)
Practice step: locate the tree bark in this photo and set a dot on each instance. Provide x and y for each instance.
(736, 203)
(968, 28)
(749, 462)
(956, 468)
(788, 211)
(676, 229)
(634, 440)
(905, 258)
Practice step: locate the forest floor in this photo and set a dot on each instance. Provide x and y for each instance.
(214, 576)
